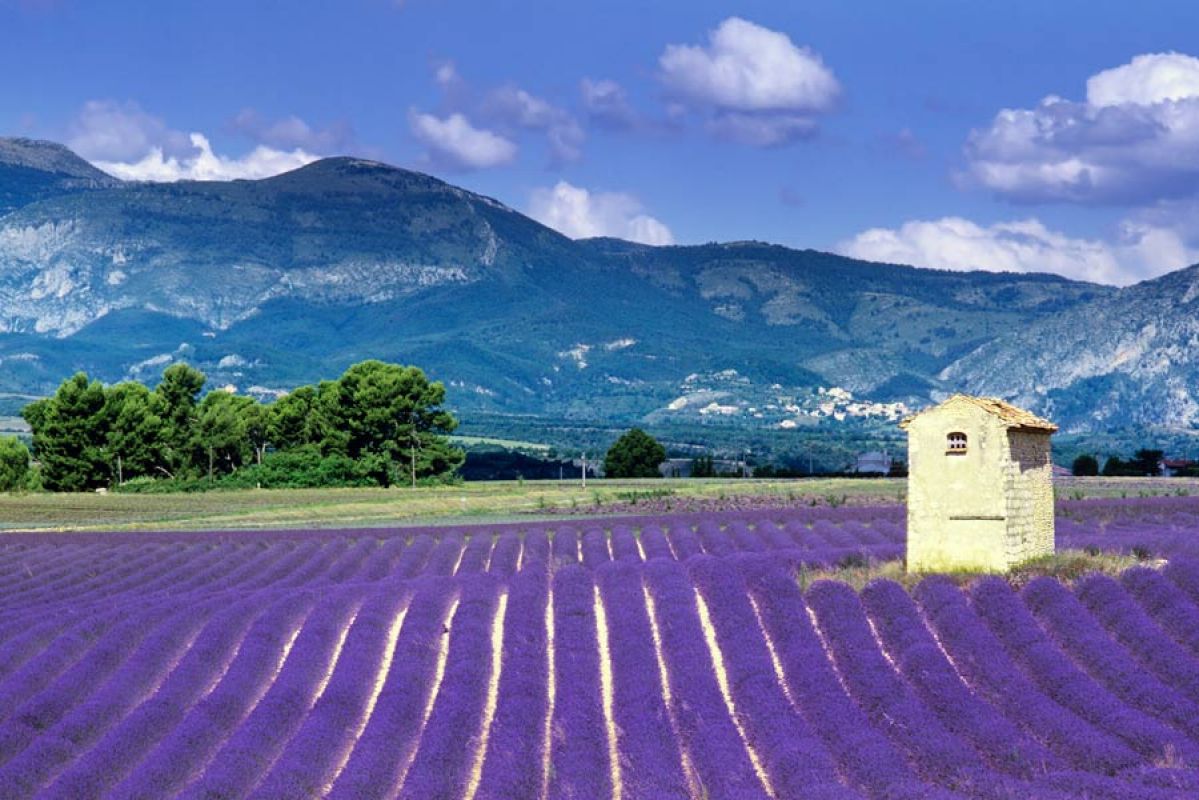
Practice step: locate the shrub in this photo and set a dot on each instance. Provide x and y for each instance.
(303, 468)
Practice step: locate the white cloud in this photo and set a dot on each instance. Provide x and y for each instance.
(747, 67)
(1141, 250)
(1147, 79)
(105, 130)
(1134, 139)
(522, 108)
(124, 140)
(580, 214)
(755, 84)
(508, 112)
(202, 164)
(454, 143)
(1155, 250)
(514, 107)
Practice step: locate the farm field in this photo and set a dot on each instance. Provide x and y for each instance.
(654, 656)
(483, 501)
(473, 501)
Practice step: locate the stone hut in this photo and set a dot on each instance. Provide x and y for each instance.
(980, 488)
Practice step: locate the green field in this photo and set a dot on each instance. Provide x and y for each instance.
(506, 444)
(468, 502)
(484, 501)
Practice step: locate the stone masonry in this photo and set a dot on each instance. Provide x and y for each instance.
(980, 491)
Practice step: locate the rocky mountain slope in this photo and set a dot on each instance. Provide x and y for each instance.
(268, 283)
(33, 170)
(1131, 357)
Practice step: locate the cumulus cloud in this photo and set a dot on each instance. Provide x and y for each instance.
(1141, 250)
(754, 84)
(202, 164)
(503, 116)
(1147, 79)
(292, 132)
(749, 68)
(454, 143)
(1133, 139)
(580, 214)
(514, 107)
(126, 141)
(105, 130)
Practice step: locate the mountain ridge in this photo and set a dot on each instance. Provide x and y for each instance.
(1143, 358)
(33, 169)
(268, 283)
(47, 156)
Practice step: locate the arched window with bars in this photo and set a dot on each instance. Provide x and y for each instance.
(955, 442)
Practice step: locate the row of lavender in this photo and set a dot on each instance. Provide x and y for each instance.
(50, 573)
(714, 677)
(1163, 527)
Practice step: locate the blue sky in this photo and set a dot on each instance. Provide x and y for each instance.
(1021, 136)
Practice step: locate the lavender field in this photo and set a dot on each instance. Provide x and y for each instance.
(666, 656)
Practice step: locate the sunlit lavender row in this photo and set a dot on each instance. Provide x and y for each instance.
(648, 657)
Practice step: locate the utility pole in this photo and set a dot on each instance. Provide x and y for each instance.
(584, 471)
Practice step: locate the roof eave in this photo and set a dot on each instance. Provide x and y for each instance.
(1047, 429)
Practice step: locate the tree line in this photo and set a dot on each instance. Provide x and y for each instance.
(377, 424)
(1144, 462)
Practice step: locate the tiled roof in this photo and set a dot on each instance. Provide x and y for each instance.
(1009, 415)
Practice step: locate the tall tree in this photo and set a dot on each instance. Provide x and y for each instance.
(14, 464)
(256, 419)
(1147, 462)
(390, 417)
(219, 434)
(292, 419)
(636, 454)
(177, 392)
(134, 436)
(69, 435)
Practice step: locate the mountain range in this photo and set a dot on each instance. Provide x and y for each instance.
(269, 283)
